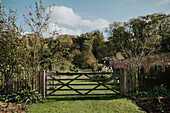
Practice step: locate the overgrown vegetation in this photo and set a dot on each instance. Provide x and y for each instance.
(24, 96)
(104, 69)
(156, 91)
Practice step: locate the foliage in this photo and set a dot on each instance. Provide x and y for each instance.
(63, 66)
(99, 48)
(24, 96)
(156, 91)
(138, 38)
(37, 22)
(74, 69)
(82, 52)
(138, 94)
(104, 69)
(11, 52)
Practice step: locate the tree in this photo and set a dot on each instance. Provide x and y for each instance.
(87, 59)
(37, 22)
(161, 24)
(98, 46)
(135, 40)
(11, 52)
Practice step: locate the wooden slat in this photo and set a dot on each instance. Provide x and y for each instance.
(95, 79)
(79, 94)
(76, 73)
(82, 84)
(74, 89)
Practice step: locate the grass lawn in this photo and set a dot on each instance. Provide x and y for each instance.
(102, 104)
(85, 104)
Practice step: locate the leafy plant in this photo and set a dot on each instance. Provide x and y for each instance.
(74, 69)
(138, 94)
(156, 91)
(24, 96)
(104, 69)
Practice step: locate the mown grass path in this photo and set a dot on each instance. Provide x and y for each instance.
(85, 104)
(102, 104)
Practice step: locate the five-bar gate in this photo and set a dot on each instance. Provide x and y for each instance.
(56, 83)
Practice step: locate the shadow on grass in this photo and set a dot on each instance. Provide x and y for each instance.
(75, 98)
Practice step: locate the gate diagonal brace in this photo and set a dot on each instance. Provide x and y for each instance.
(92, 89)
(101, 83)
(66, 84)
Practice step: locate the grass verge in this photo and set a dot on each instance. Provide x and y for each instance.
(87, 104)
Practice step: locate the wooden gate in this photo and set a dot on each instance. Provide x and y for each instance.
(56, 83)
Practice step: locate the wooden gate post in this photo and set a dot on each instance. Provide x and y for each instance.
(123, 81)
(42, 83)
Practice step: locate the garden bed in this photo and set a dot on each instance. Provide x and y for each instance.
(154, 105)
(12, 108)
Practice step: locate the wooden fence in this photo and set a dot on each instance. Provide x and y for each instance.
(18, 82)
(26, 80)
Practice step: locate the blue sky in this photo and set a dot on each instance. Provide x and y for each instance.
(80, 16)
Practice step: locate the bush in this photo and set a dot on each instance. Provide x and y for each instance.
(138, 94)
(159, 91)
(24, 96)
(104, 69)
(74, 69)
(156, 91)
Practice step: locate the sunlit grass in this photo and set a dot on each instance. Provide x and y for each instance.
(97, 104)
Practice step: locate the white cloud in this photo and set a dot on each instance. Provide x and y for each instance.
(64, 30)
(61, 30)
(96, 24)
(163, 2)
(67, 17)
(64, 15)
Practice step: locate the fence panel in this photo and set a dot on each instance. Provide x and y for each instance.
(18, 82)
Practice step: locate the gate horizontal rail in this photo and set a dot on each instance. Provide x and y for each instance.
(74, 89)
(113, 84)
(79, 79)
(79, 94)
(78, 73)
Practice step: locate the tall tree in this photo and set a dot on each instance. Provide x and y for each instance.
(98, 45)
(11, 52)
(37, 22)
(135, 40)
(87, 58)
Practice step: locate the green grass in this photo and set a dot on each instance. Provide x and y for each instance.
(85, 104)
(102, 104)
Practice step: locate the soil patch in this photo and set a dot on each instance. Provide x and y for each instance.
(154, 105)
(12, 108)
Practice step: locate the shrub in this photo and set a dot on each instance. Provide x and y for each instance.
(24, 96)
(138, 94)
(74, 69)
(156, 91)
(104, 69)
